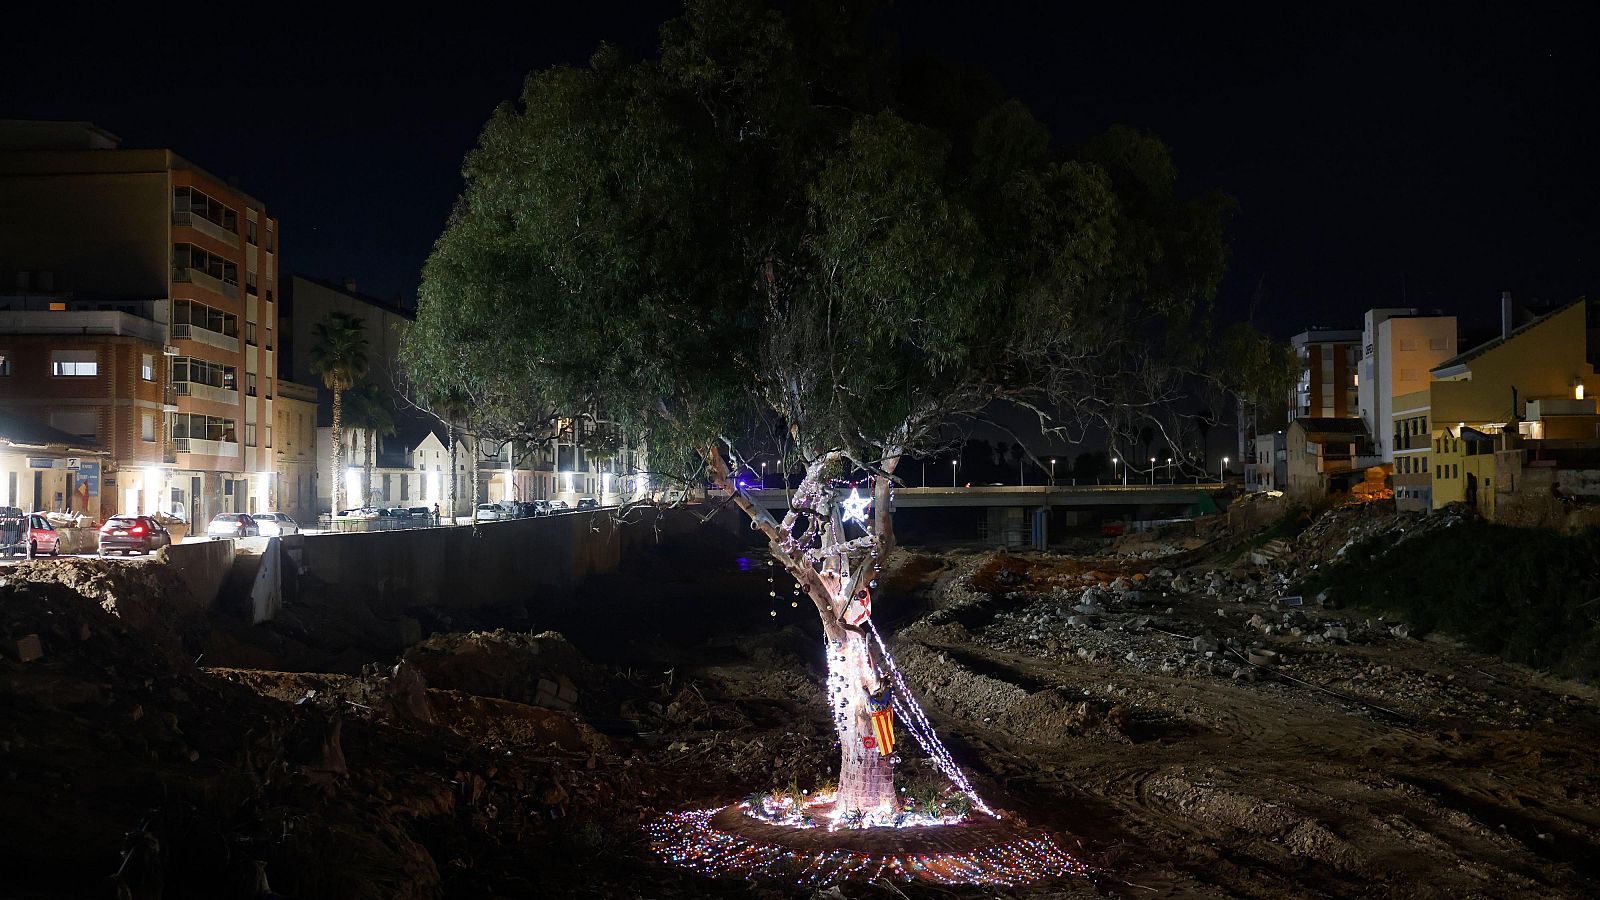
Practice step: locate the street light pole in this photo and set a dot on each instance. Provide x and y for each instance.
(952, 473)
(763, 476)
(1052, 472)
(1222, 474)
(1152, 470)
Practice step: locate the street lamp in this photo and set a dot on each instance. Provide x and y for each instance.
(1152, 470)
(1222, 474)
(763, 476)
(1169, 470)
(1052, 472)
(952, 473)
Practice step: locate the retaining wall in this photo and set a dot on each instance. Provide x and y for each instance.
(204, 567)
(462, 567)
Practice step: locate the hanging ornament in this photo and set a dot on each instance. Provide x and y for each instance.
(882, 708)
(859, 609)
(855, 507)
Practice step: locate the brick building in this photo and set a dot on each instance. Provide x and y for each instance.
(141, 287)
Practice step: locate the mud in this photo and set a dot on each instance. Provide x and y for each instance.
(1108, 698)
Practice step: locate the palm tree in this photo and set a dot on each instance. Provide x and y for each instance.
(368, 413)
(339, 355)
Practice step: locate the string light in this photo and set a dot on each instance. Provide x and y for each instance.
(690, 839)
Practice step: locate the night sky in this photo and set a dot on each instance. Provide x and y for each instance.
(1379, 156)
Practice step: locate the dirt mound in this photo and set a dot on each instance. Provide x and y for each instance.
(536, 669)
(68, 601)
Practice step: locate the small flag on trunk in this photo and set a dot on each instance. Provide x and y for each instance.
(882, 709)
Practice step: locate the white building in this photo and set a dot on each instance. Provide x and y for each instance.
(1399, 348)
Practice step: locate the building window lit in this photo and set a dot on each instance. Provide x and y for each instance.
(147, 366)
(74, 363)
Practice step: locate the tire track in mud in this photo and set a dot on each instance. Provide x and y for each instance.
(1283, 780)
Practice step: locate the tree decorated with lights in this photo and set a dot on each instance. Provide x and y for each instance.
(776, 226)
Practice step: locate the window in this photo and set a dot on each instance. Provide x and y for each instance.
(1408, 344)
(147, 366)
(78, 422)
(250, 384)
(147, 428)
(205, 428)
(201, 371)
(194, 202)
(269, 436)
(249, 434)
(74, 363)
(250, 283)
(250, 230)
(186, 312)
(188, 256)
(250, 333)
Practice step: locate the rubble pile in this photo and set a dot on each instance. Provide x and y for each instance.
(119, 753)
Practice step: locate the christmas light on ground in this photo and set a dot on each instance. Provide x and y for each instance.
(724, 842)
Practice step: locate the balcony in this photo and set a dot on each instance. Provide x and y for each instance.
(185, 332)
(206, 227)
(205, 447)
(191, 275)
(205, 392)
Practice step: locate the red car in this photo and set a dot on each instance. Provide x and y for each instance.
(42, 539)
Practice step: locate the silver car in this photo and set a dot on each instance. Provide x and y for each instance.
(274, 524)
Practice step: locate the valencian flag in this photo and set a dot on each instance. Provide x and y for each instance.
(882, 709)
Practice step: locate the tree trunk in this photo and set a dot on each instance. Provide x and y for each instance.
(866, 775)
(454, 510)
(371, 438)
(338, 451)
(472, 471)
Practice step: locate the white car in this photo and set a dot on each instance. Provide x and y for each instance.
(274, 524)
(489, 512)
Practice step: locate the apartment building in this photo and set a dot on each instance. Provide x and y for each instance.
(1400, 348)
(1329, 370)
(144, 299)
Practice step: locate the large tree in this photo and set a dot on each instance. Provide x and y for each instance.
(776, 227)
(339, 356)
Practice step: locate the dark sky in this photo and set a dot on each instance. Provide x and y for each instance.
(1380, 155)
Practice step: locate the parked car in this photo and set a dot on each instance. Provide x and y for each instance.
(398, 512)
(133, 534)
(274, 524)
(40, 538)
(588, 503)
(363, 512)
(422, 512)
(558, 506)
(232, 525)
(541, 507)
(489, 512)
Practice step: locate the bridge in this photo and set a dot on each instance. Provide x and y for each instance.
(1026, 496)
(1019, 515)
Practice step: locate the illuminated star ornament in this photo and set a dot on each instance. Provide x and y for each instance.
(855, 507)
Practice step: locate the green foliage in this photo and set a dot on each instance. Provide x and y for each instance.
(1252, 365)
(1530, 595)
(339, 350)
(776, 221)
(367, 408)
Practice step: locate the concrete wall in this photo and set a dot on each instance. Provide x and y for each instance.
(463, 567)
(204, 567)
